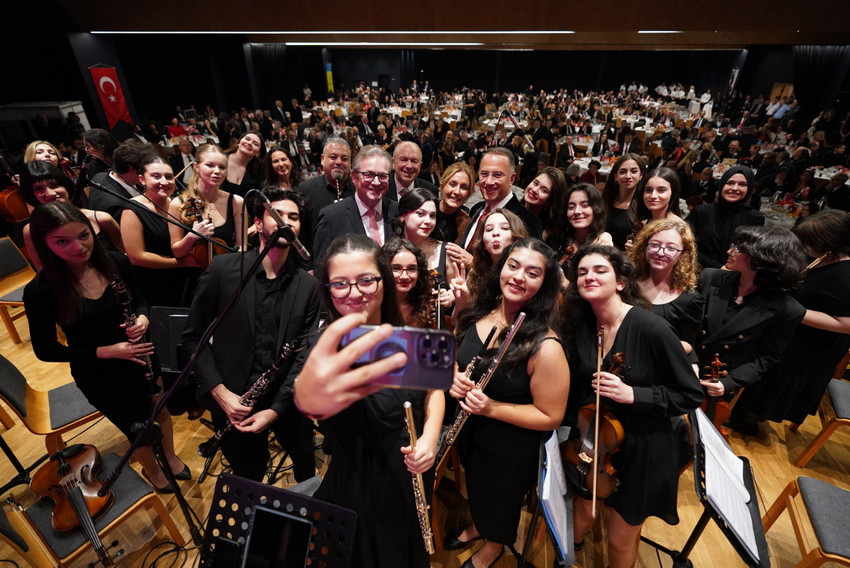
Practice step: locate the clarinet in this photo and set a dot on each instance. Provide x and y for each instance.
(462, 415)
(250, 398)
(77, 198)
(419, 487)
(130, 318)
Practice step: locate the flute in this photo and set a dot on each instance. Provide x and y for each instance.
(419, 487)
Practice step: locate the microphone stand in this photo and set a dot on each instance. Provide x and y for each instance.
(150, 429)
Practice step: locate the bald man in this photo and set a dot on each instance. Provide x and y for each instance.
(407, 162)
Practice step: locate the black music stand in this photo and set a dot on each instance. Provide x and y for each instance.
(724, 518)
(233, 503)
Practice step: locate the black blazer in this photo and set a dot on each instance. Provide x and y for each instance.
(230, 357)
(754, 339)
(529, 219)
(343, 217)
(392, 192)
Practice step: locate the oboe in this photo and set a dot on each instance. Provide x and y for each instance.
(419, 487)
(130, 318)
(250, 398)
(462, 415)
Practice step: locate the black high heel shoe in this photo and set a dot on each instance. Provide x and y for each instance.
(469, 564)
(454, 543)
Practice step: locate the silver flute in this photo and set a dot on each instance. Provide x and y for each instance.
(462, 415)
(419, 487)
(250, 398)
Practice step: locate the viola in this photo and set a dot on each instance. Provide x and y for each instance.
(589, 451)
(202, 251)
(717, 409)
(566, 254)
(70, 480)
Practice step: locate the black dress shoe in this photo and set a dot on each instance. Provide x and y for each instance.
(469, 564)
(454, 543)
(164, 490)
(185, 474)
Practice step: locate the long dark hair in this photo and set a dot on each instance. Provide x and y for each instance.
(254, 164)
(540, 311)
(420, 295)
(575, 312)
(612, 188)
(411, 201)
(564, 237)
(37, 171)
(481, 259)
(638, 211)
(355, 242)
(826, 232)
(55, 272)
(271, 176)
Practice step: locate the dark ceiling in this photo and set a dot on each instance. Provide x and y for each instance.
(513, 24)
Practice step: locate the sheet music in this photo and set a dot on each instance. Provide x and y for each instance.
(554, 488)
(724, 484)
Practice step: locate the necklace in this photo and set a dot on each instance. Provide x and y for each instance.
(85, 278)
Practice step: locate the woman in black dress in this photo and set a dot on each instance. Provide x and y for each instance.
(414, 283)
(243, 164)
(585, 212)
(658, 198)
(749, 315)
(714, 223)
(620, 188)
(73, 290)
(793, 388)
(500, 443)
(546, 197)
(279, 168)
(657, 384)
(368, 473)
(456, 184)
(161, 277)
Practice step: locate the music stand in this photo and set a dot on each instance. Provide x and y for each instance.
(167, 325)
(233, 503)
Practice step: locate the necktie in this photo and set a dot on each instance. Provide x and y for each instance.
(374, 232)
(475, 227)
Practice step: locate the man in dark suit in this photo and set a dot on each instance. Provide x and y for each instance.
(328, 188)
(182, 161)
(496, 175)
(629, 145)
(366, 212)
(407, 163)
(279, 305)
(567, 153)
(279, 113)
(124, 181)
(295, 114)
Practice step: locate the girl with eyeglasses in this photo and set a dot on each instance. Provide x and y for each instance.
(413, 282)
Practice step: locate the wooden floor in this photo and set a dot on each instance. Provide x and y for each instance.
(771, 455)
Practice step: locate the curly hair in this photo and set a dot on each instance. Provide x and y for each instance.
(776, 255)
(684, 277)
(481, 259)
(419, 296)
(541, 313)
(638, 211)
(270, 175)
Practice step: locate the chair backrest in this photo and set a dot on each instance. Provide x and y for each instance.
(9, 532)
(11, 259)
(13, 386)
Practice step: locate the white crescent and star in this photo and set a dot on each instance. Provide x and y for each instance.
(114, 87)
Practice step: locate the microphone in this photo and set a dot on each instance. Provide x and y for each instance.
(287, 231)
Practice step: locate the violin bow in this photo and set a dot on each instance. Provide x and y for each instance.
(596, 417)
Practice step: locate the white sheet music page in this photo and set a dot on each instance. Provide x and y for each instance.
(724, 483)
(554, 488)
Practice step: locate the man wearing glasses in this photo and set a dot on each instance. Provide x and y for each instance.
(366, 212)
(279, 305)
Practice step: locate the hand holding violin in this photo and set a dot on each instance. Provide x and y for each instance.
(713, 387)
(612, 386)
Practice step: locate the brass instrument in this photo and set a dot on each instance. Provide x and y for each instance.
(130, 318)
(250, 398)
(419, 487)
(463, 415)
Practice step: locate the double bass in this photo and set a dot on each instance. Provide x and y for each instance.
(70, 480)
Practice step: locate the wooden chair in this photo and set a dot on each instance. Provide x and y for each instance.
(834, 412)
(15, 273)
(30, 534)
(825, 507)
(45, 413)
(542, 145)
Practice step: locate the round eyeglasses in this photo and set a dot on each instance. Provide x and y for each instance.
(341, 289)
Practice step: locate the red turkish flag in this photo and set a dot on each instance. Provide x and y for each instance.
(111, 96)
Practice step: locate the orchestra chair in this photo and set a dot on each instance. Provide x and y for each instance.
(45, 413)
(15, 273)
(30, 533)
(834, 412)
(823, 513)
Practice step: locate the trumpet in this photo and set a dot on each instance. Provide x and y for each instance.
(250, 398)
(462, 415)
(419, 487)
(130, 318)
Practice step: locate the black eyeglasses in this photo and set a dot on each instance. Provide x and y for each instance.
(342, 289)
(370, 176)
(658, 247)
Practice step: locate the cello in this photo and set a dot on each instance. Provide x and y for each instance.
(717, 409)
(597, 436)
(70, 480)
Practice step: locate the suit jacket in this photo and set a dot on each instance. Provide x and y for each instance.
(634, 147)
(343, 217)
(564, 158)
(230, 357)
(529, 219)
(320, 194)
(280, 115)
(100, 200)
(392, 192)
(753, 340)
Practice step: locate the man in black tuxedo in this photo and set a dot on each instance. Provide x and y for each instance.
(124, 180)
(182, 161)
(366, 212)
(407, 163)
(629, 145)
(567, 153)
(328, 188)
(279, 305)
(496, 175)
(279, 113)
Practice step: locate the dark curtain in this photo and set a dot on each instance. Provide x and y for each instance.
(819, 71)
(269, 67)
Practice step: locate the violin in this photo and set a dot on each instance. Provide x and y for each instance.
(567, 254)
(597, 436)
(70, 480)
(717, 409)
(202, 251)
